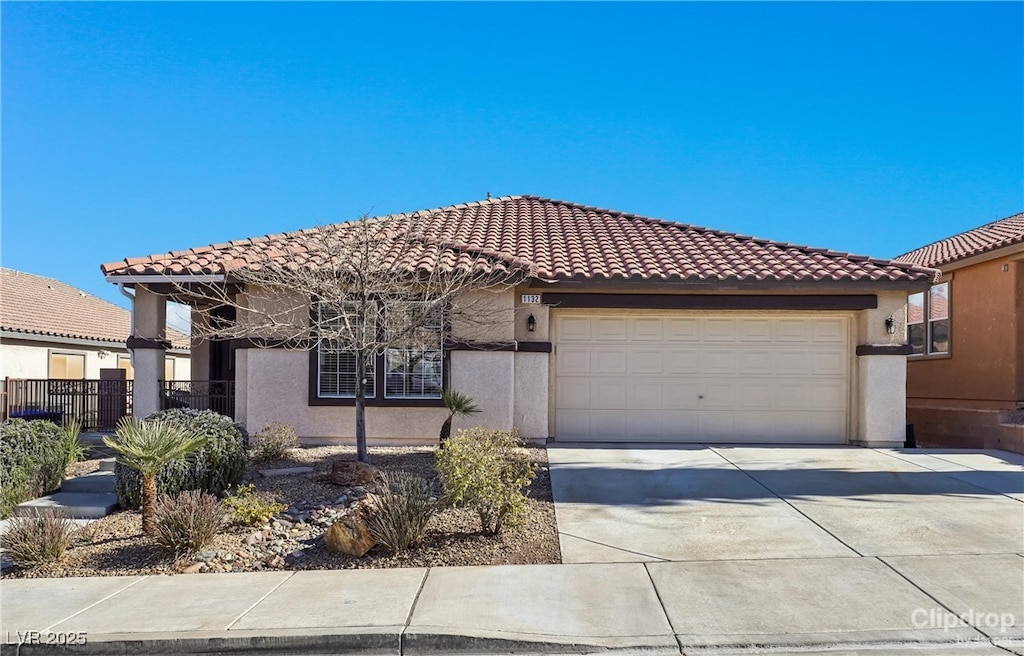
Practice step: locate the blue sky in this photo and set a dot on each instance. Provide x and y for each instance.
(130, 129)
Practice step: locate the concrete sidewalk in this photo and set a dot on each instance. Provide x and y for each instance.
(840, 605)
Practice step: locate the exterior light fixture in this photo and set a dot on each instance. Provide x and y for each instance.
(890, 325)
(531, 323)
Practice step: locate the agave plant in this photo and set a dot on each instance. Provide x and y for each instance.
(147, 446)
(459, 405)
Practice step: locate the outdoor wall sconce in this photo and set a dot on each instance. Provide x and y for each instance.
(890, 325)
(531, 323)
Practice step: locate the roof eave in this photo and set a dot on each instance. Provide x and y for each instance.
(805, 286)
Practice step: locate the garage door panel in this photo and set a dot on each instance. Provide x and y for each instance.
(719, 330)
(646, 361)
(606, 360)
(718, 361)
(575, 329)
(647, 330)
(829, 331)
(682, 330)
(573, 360)
(702, 378)
(611, 330)
(682, 362)
(608, 393)
(573, 393)
(646, 394)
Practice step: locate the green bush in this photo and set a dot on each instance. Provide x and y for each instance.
(32, 461)
(74, 448)
(251, 508)
(398, 516)
(273, 441)
(186, 523)
(487, 471)
(219, 465)
(42, 538)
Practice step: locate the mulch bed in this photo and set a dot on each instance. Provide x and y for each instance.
(115, 546)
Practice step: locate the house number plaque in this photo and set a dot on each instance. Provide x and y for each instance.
(531, 298)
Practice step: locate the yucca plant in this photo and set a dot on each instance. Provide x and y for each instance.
(147, 446)
(458, 405)
(74, 450)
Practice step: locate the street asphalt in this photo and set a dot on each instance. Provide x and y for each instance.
(709, 550)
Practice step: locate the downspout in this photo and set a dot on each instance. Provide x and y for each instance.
(131, 330)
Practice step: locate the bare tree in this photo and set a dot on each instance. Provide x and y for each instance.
(356, 290)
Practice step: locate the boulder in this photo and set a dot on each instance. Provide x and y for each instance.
(353, 472)
(349, 535)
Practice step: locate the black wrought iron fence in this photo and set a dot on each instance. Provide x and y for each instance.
(96, 404)
(216, 395)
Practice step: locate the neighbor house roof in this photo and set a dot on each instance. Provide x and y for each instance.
(558, 240)
(984, 239)
(35, 305)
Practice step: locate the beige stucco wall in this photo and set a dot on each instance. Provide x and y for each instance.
(530, 412)
(488, 377)
(484, 316)
(871, 323)
(882, 402)
(26, 359)
(275, 389)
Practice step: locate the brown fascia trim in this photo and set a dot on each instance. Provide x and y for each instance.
(144, 343)
(713, 301)
(813, 287)
(525, 347)
(259, 343)
(894, 349)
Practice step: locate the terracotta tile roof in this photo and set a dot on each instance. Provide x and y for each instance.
(989, 237)
(560, 241)
(36, 305)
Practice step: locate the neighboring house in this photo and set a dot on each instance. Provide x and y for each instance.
(631, 329)
(50, 330)
(965, 375)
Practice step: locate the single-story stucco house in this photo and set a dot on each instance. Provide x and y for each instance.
(629, 329)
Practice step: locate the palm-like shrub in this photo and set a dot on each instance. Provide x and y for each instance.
(147, 446)
(218, 466)
(74, 450)
(458, 405)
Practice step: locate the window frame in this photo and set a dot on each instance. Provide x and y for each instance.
(928, 320)
(49, 363)
(379, 364)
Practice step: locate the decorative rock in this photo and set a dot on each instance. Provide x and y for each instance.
(352, 472)
(341, 501)
(194, 568)
(253, 538)
(349, 535)
(298, 554)
(359, 492)
(227, 556)
(206, 556)
(274, 561)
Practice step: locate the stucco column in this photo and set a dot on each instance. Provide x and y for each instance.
(882, 387)
(530, 412)
(149, 346)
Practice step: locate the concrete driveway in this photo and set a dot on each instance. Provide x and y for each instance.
(648, 503)
(778, 545)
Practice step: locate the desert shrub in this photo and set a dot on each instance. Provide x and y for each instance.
(41, 538)
(219, 465)
(187, 522)
(249, 507)
(486, 470)
(74, 449)
(273, 441)
(398, 516)
(32, 461)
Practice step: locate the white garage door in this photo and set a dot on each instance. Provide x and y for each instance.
(678, 377)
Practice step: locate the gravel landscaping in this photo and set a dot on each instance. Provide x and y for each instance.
(115, 546)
